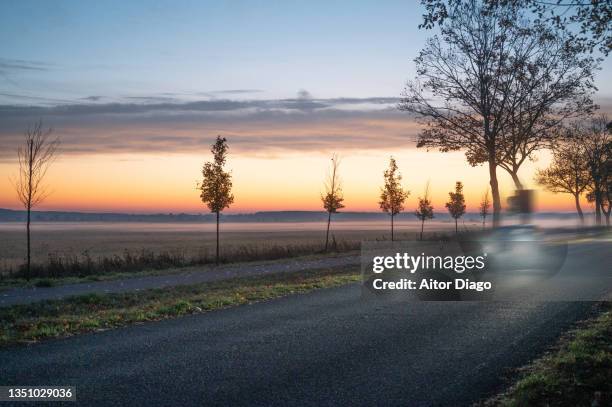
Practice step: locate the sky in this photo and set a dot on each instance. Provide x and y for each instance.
(137, 91)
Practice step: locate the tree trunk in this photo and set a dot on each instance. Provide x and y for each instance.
(327, 234)
(494, 192)
(217, 252)
(578, 208)
(516, 180)
(29, 253)
(484, 218)
(29, 205)
(391, 227)
(597, 213)
(597, 204)
(456, 227)
(422, 225)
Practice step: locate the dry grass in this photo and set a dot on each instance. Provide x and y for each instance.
(578, 373)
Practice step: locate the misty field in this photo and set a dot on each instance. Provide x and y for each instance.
(74, 248)
(187, 241)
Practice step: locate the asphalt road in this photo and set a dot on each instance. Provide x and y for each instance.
(328, 347)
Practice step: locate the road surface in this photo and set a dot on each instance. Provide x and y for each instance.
(328, 347)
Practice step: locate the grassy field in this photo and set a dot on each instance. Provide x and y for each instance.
(106, 241)
(52, 319)
(577, 373)
(93, 249)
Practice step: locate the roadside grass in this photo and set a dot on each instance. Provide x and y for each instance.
(60, 318)
(13, 282)
(68, 268)
(61, 266)
(578, 373)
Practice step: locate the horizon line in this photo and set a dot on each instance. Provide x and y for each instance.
(259, 212)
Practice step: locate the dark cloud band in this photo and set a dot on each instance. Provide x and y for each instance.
(303, 124)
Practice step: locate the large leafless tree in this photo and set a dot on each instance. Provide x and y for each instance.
(554, 84)
(35, 156)
(460, 92)
(588, 23)
(484, 86)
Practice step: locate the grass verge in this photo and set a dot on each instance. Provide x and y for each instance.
(59, 318)
(58, 265)
(578, 373)
(13, 282)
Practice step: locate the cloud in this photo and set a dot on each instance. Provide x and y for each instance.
(252, 126)
(154, 99)
(53, 101)
(304, 94)
(171, 106)
(236, 91)
(12, 65)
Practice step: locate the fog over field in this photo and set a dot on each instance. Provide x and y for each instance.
(193, 239)
(190, 239)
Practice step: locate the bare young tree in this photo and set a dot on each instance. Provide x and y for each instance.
(35, 156)
(425, 209)
(392, 194)
(216, 186)
(482, 86)
(456, 204)
(607, 196)
(485, 205)
(333, 197)
(568, 172)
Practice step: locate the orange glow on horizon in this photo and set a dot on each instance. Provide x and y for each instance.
(154, 183)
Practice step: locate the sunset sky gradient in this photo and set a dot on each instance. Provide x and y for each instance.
(137, 92)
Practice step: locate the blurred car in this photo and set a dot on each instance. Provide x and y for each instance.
(522, 248)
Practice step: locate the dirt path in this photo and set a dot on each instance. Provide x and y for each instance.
(28, 295)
